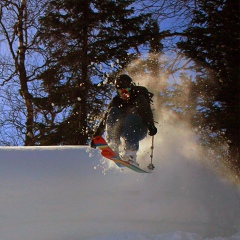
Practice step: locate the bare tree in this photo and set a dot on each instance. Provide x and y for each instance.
(19, 64)
(168, 9)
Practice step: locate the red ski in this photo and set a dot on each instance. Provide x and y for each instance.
(108, 153)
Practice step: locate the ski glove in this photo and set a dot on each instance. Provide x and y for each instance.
(152, 130)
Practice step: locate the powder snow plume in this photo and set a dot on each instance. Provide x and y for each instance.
(175, 134)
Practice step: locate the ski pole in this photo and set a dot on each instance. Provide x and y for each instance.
(151, 166)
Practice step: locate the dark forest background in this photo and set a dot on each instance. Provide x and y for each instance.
(59, 59)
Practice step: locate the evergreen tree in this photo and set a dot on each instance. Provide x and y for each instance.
(79, 36)
(213, 42)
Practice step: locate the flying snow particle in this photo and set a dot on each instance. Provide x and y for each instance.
(30, 135)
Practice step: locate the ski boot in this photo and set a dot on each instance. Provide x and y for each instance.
(130, 156)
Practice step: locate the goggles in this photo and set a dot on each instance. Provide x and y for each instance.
(123, 90)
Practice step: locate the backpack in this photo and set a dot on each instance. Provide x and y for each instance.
(144, 91)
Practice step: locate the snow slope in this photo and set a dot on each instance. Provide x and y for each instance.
(59, 193)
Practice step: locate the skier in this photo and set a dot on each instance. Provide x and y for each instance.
(129, 116)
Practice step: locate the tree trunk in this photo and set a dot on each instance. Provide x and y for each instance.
(84, 86)
(23, 76)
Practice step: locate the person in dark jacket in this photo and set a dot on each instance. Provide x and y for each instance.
(129, 116)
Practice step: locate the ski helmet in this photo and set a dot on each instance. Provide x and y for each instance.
(123, 81)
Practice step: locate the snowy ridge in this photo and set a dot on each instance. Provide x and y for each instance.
(72, 193)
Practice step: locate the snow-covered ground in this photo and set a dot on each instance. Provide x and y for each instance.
(71, 193)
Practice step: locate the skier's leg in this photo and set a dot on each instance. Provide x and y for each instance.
(113, 128)
(133, 130)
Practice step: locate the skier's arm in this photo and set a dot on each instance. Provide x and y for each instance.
(146, 114)
(145, 110)
(101, 127)
(100, 130)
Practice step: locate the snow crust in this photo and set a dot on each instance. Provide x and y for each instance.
(61, 193)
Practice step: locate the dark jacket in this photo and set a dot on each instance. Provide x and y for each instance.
(137, 104)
